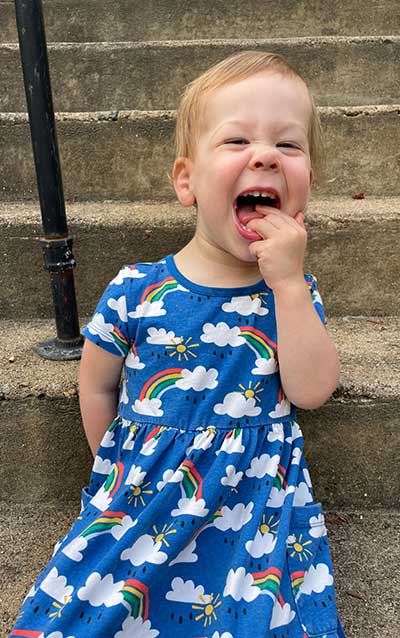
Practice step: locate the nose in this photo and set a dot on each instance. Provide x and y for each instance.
(265, 158)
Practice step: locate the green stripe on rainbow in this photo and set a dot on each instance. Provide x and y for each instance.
(156, 292)
(160, 382)
(259, 342)
(114, 479)
(297, 579)
(136, 594)
(192, 483)
(120, 339)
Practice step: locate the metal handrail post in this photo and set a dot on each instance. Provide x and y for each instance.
(57, 244)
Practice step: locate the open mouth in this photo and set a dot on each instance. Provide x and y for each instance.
(245, 205)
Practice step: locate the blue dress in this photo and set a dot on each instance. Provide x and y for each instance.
(199, 520)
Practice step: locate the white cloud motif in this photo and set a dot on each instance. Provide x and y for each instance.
(101, 591)
(222, 335)
(133, 361)
(108, 439)
(276, 434)
(190, 507)
(296, 433)
(186, 592)
(136, 627)
(262, 465)
(124, 393)
(202, 441)
(265, 366)
(187, 555)
(235, 518)
(55, 585)
(281, 409)
(199, 379)
(317, 526)
(135, 476)
(245, 305)
(277, 497)
(281, 615)
(237, 405)
(127, 273)
(261, 544)
(119, 305)
(127, 523)
(102, 466)
(160, 336)
(74, 548)
(232, 477)
(316, 579)
(102, 499)
(296, 456)
(240, 585)
(98, 326)
(170, 476)
(148, 309)
(232, 443)
(151, 407)
(302, 495)
(145, 550)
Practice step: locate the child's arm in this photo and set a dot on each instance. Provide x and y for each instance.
(99, 377)
(308, 360)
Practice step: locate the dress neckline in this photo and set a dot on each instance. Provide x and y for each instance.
(208, 291)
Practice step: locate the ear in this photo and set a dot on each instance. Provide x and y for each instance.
(311, 177)
(181, 179)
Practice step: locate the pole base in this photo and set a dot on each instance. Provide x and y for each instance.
(57, 350)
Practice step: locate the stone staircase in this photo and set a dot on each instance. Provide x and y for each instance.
(117, 69)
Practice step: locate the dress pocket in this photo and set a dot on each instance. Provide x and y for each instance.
(310, 570)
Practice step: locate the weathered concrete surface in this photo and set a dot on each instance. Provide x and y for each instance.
(40, 421)
(117, 20)
(129, 154)
(364, 545)
(151, 76)
(347, 241)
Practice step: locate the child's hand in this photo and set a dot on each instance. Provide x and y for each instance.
(281, 249)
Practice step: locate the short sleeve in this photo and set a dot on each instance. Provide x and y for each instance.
(108, 327)
(316, 297)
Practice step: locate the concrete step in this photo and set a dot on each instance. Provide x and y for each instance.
(151, 75)
(117, 20)
(129, 154)
(353, 249)
(364, 545)
(45, 452)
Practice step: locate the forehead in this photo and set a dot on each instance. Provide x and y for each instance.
(265, 97)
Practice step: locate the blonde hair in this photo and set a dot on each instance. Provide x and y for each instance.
(237, 67)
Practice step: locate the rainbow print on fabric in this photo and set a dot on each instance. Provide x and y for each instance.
(160, 383)
(103, 523)
(263, 347)
(297, 579)
(136, 598)
(26, 633)
(157, 291)
(120, 340)
(155, 433)
(268, 580)
(280, 481)
(114, 479)
(192, 483)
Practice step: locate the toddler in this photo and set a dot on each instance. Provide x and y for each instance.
(199, 520)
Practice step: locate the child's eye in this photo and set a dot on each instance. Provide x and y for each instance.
(237, 140)
(289, 145)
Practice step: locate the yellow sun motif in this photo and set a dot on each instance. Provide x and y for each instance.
(260, 296)
(251, 393)
(138, 491)
(160, 536)
(208, 609)
(59, 607)
(267, 527)
(298, 548)
(182, 349)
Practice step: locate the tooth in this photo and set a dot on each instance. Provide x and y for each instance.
(255, 194)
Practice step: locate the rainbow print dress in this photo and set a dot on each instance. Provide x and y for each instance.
(199, 520)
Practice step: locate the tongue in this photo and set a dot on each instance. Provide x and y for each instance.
(246, 213)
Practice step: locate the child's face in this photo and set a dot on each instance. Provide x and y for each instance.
(254, 138)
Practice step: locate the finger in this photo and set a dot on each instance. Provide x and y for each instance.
(299, 218)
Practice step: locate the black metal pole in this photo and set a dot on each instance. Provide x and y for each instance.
(57, 245)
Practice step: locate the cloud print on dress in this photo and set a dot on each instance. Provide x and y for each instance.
(191, 507)
(265, 367)
(302, 495)
(119, 305)
(187, 555)
(222, 335)
(237, 405)
(281, 409)
(198, 379)
(149, 407)
(186, 592)
(234, 518)
(261, 544)
(245, 306)
(101, 591)
(232, 478)
(127, 272)
(102, 466)
(148, 309)
(136, 627)
(317, 526)
(99, 327)
(262, 465)
(144, 550)
(240, 585)
(160, 336)
(55, 585)
(281, 615)
(316, 579)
